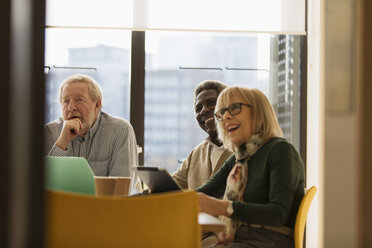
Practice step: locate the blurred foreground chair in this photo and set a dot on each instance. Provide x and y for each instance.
(159, 220)
(302, 216)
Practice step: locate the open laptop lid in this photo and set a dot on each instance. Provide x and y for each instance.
(157, 179)
(71, 174)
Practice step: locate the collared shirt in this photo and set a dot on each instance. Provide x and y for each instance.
(109, 146)
(203, 161)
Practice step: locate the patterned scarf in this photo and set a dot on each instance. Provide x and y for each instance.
(236, 182)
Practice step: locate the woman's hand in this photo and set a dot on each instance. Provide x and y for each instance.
(225, 238)
(211, 205)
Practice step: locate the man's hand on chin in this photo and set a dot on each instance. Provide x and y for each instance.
(71, 129)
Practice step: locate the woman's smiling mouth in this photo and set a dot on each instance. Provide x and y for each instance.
(232, 127)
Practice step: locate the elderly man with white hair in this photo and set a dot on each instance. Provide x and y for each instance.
(108, 143)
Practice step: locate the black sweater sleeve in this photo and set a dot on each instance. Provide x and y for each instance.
(216, 185)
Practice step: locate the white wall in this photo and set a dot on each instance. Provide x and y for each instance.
(315, 122)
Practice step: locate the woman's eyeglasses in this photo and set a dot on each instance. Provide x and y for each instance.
(233, 109)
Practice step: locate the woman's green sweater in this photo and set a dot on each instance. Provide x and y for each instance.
(275, 185)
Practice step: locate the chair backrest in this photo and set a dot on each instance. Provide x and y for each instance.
(71, 174)
(159, 220)
(302, 216)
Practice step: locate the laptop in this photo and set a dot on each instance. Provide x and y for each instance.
(157, 179)
(71, 174)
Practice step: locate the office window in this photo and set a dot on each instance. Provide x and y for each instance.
(177, 61)
(79, 42)
(102, 54)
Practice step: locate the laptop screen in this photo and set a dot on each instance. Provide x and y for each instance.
(71, 174)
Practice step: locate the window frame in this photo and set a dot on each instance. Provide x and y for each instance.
(137, 91)
(137, 108)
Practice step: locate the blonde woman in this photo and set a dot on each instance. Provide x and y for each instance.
(263, 183)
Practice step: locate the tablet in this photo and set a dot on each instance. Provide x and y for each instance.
(157, 179)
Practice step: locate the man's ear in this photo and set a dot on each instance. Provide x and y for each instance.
(99, 105)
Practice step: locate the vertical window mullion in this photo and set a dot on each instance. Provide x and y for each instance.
(303, 99)
(137, 88)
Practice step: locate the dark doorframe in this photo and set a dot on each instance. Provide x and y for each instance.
(365, 134)
(5, 116)
(22, 102)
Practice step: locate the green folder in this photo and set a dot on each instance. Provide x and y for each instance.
(71, 174)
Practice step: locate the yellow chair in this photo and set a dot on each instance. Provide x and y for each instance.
(302, 216)
(159, 220)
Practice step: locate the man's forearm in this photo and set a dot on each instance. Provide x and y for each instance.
(62, 143)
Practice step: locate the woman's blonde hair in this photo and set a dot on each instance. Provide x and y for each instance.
(264, 121)
(94, 89)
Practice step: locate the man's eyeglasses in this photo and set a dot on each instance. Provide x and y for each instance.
(233, 109)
